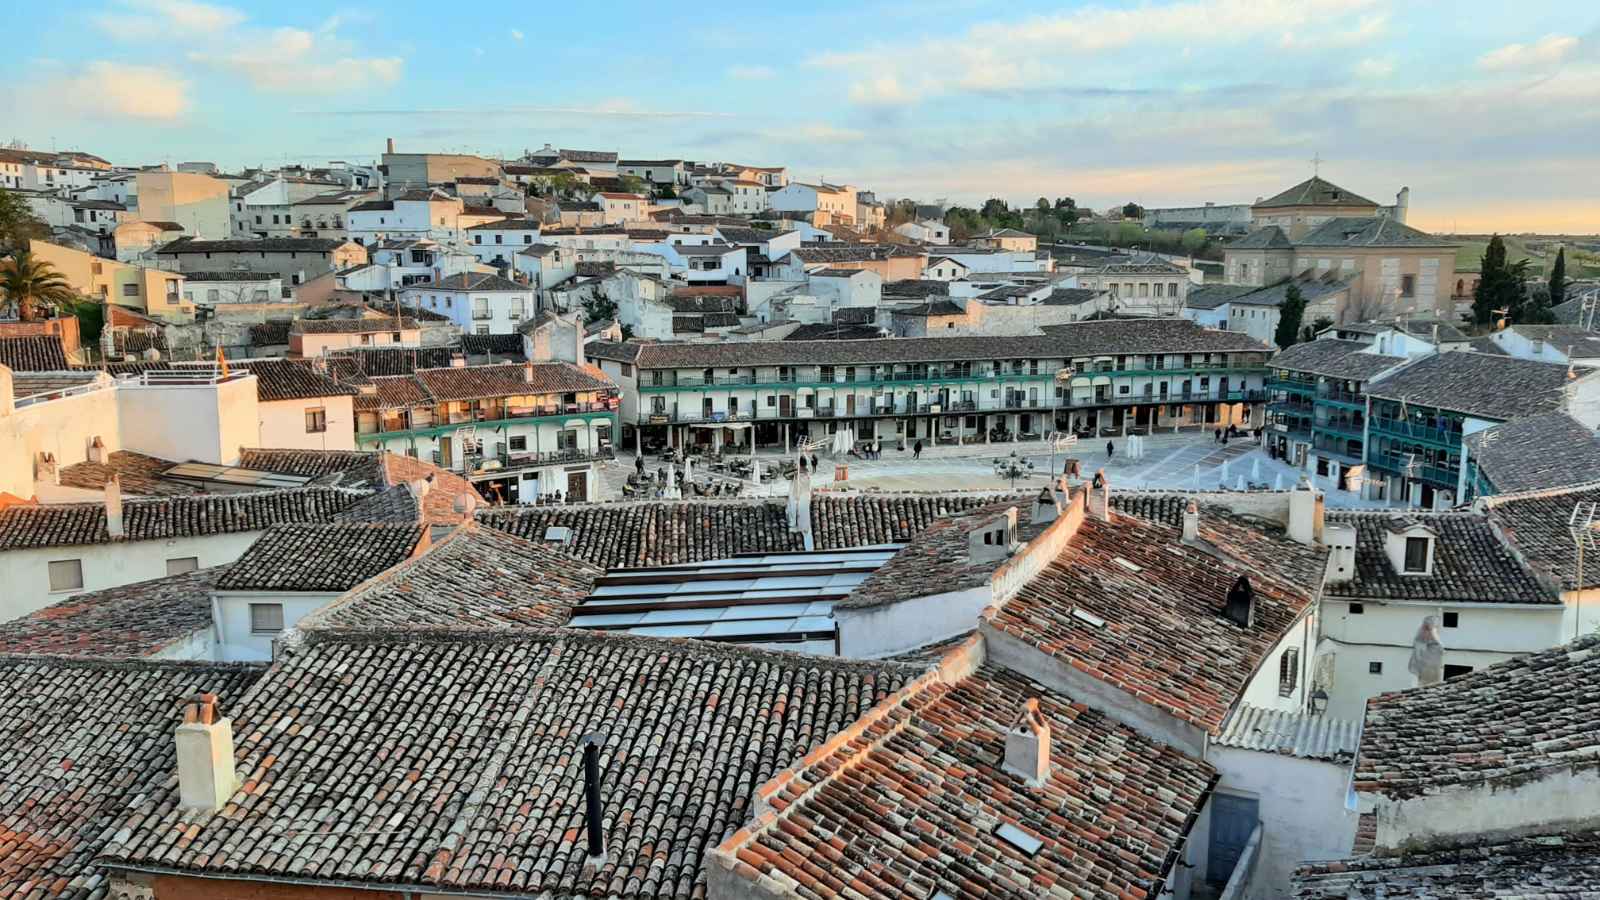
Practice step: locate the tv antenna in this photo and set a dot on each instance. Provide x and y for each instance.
(1581, 525)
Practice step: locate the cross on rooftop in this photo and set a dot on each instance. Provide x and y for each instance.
(1316, 163)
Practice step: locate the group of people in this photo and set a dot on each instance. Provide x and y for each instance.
(871, 450)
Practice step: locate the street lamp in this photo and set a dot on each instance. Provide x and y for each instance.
(1013, 467)
(1319, 702)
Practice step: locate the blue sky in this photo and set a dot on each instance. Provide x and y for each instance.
(1492, 117)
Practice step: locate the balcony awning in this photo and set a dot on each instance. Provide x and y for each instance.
(720, 424)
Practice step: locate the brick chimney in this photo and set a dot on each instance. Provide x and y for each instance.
(1100, 496)
(114, 525)
(97, 451)
(1191, 522)
(46, 470)
(205, 756)
(1028, 745)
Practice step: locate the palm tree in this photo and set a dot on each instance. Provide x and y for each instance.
(34, 284)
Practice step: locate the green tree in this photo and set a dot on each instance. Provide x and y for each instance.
(994, 209)
(91, 316)
(1310, 332)
(1289, 316)
(1194, 240)
(633, 184)
(1558, 278)
(1493, 291)
(1043, 205)
(1132, 211)
(33, 285)
(1127, 234)
(18, 224)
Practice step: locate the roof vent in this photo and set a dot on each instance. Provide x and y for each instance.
(591, 800)
(1126, 564)
(1241, 607)
(558, 534)
(1088, 618)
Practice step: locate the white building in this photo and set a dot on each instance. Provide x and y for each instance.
(479, 303)
(497, 243)
(213, 288)
(927, 231)
(619, 208)
(412, 215)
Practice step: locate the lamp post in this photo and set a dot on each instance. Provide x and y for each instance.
(1013, 467)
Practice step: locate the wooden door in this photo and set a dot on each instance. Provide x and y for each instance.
(577, 487)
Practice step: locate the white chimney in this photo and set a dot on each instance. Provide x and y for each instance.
(205, 756)
(994, 539)
(1341, 543)
(114, 506)
(1045, 510)
(97, 451)
(527, 372)
(1191, 522)
(46, 470)
(1402, 204)
(1305, 513)
(1100, 496)
(1028, 745)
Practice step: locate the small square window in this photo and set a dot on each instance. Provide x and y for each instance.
(1374, 668)
(1357, 609)
(66, 575)
(518, 442)
(1452, 620)
(182, 564)
(266, 618)
(316, 421)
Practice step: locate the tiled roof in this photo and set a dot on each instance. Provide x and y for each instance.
(475, 577)
(1569, 339)
(829, 331)
(853, 253)
(146, 519)
(1486, 344)
(1549, 450)
(282, 379)
(140, 474)
(450, 761)
(703, 303)
(1549, 866)
(1071, 296)
(1267, 237)
(320, 557)
(1503, 721)
(912, 287)
(624, 352)
(79, 741)
(491, 344)
(1536, 523)
(257, 245)
(1369, 231)
(1493, 387)
(33, 353)
(396, 360)
(1334, 358)
(910, 806)
(394, 505)
(352, 325)
(394, 392)
(630, 535)
(1470, 564)
(354, 468)
(1315, 191)
(937, 560)
(229, 275)
(1164, 637)
(1064, 341)
(139, 619)
(1297, 734)
(473, 281)
(931, 309)
(509, 380)
(265, 334)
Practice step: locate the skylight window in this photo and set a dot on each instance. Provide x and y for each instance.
(1019, 839)
(1131, 567)
(1088, 618)
(558, 534)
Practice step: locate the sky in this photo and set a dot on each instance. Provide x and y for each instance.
(1489, 112)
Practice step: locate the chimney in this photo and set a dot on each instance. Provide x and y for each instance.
(1100, 496)
(389, 149)
(527, 372)
(578, 357)
(1045, 510)
(205, 756)
(993, 539)
(1305, 513)
(1191, 522)
(1402, 204)
(798, 508)
(1241, 606)
(591, 801)
(97, 451)
(1028, 745)
(46, 470)
(1341, 543)
(114, 506)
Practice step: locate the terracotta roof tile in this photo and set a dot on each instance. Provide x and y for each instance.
(139, 619)
(1470, 563)
(321, 557)
(144, 519)
(33, 353)
(1545, 866)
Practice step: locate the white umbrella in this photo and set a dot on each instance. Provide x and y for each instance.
(1240, 485)
(1197, 476)
(688, 468)
(1224, 470)
(1277, 482)
(1255, 469)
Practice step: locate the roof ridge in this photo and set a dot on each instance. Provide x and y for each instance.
(89, 662)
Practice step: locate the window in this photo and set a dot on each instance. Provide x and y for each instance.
(1374, 668)
(316, 421)
(266, 618)
(66, 575)
(567, 439)
(627, 370)
(480, 329)
(130, 290)
(182, 564)
(212, 295)
(1357, 609)
(1408, 285)
(1416, 554)
(519, 442)
(1452, 620)
(1288, 672)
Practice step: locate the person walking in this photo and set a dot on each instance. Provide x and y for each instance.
(638, 464)
(916, 450)
(1111, 449)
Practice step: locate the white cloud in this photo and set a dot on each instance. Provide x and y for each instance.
(815, 132)
(752, 73)
(1375, 67)
(1051, 50)
(516, 34)
(1547, 51)
(119, 91)
(287, 60)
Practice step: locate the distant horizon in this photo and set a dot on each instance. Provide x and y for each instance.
(1486, 115)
